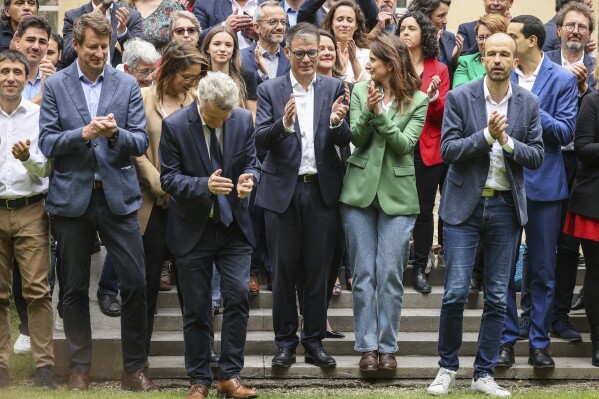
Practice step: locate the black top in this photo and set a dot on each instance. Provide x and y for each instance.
(250, 84)
(5, 38)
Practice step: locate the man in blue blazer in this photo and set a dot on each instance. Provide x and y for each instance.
(126, 23)
(299, 123)
(272, 58)
(211, 13)
(466, 30)
(546, 187)
(491, 132)
(209, 167)
(92, 122)
(572, 56)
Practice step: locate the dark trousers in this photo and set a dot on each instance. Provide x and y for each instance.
(260, 259)
(301, 242)
(122, 238)
(566, 264)
(428, 179)
(591, 281)
(228, 249)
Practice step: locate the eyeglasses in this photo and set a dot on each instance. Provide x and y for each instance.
(300, 54)
(274, 22)
(144, 72)
(482, 38)
(190, 31)
(189, 79)
(571, 26)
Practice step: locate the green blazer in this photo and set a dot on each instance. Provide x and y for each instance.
(469, 68)
(382, 164)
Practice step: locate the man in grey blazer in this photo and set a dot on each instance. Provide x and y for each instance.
(491, 131)
(92, 122)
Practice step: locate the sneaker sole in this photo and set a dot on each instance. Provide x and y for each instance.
(22, 351)
(437, 393)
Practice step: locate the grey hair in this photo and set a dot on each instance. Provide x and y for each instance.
(302, 30)
(220, 89)
(259, 11)
(139, 51)
(183, 14)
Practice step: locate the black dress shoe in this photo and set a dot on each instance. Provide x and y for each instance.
(475, 286)
(578, 302)
(285, 358)
(319, 357)
(540, 359)
(214, 357)
(109, 305)
(506, 356)
(334, 334)
(421, 282)
(44, 378)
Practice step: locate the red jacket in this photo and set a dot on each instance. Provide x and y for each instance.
(430, 139)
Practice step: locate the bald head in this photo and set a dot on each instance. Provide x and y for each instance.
(501, 39)
(499, 57)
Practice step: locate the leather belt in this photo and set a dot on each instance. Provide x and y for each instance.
(307, 178)
(490, 192)
(97, 184)
(20, 202)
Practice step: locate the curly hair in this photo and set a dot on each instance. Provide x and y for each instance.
(360, 35)
(428, 36)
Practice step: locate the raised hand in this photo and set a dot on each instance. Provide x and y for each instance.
(433, 87)
(373, 101)
(290, 112)
(497, 127)
(339, 110)
(245, 184)
(260, 62)
(238, 22)
(219, 185)
(122, 16)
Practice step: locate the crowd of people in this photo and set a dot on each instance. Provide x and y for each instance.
(203, 142)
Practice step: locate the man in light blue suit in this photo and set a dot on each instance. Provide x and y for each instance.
(92, 122)
(491, 132)
(546, 187)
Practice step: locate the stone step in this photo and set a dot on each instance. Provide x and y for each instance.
(341, 319)
(166, 343)
(409, 367)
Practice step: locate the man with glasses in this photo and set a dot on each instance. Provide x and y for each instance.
(299, 123)
(467, 30)
(12, 14)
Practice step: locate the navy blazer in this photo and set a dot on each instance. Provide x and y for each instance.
(557, 90)
(466, 150)
(466, 30)
(248, 60)
(551, 40)
(134, 29)
(446, 46)
(284, 151)
(311, 11)
(211, 13)
(185, 168)
(63, 115)
(589, 63)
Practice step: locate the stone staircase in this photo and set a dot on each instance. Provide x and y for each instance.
(417, 355)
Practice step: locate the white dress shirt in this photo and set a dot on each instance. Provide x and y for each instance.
(529, 82)
(497, 177)
(249, 7)
(22, 179)
(304, 105)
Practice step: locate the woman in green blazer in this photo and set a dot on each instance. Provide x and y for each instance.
(469, 66)
(379, 199)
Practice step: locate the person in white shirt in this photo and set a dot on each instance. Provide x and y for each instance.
(24, 225)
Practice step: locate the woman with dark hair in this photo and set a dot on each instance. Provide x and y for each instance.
(378, 199)
(181, 68)
(450, 45)
(222, 51)
(345, 21)
(419, 35)
(470, 66)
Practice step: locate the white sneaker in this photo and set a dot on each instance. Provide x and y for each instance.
(487, 385)
(444, 380)
(58, 326)
(22, 345)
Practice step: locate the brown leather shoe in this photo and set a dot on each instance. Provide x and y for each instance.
(387, 361)
(78, 381)
(234, 389)
(369, 361)
(198, 392)
(254, 286)
(138, 381)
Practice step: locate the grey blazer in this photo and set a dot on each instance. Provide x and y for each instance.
(465, 149)
(63, 115)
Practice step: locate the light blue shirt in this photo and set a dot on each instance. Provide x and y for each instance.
(33, 89)
(291, 14)
(91, 90)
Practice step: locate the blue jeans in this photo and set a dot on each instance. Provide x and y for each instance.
(493, 221)
(378, 246)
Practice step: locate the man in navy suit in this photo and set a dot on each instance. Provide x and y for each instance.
(266, 58)
(572, 21)
(466, 30)
(126, 23)
(92, 122)
(546, 187)
(209, 223)
(299, 122)
(491, 132)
